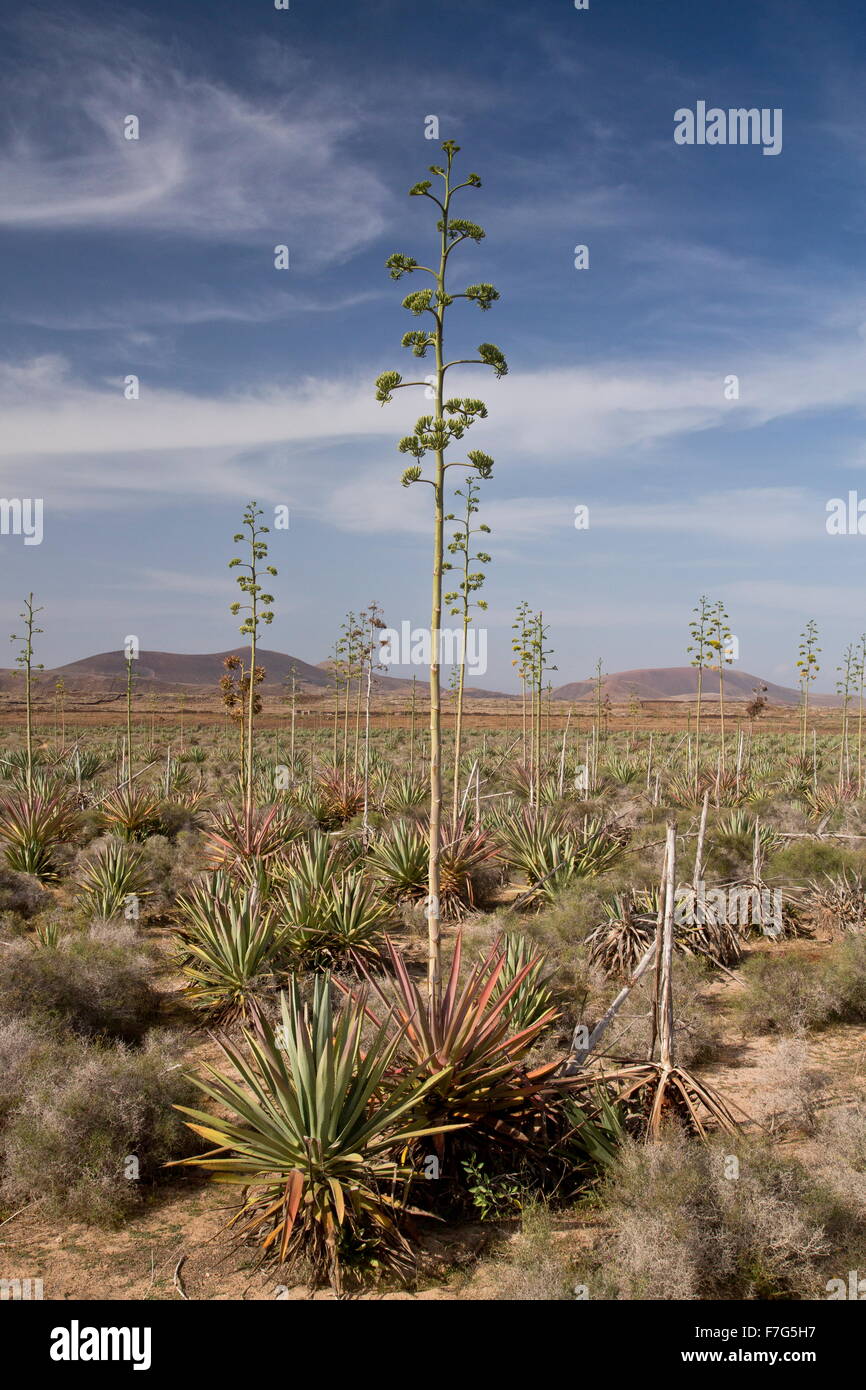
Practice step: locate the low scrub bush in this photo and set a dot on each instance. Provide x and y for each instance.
(684, 1223)
(93, 1129)
(795, 994)
(94, 984)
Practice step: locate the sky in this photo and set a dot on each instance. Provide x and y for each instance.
(305, 127)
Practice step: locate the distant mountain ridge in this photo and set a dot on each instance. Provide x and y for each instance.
(178, 671)
(105, 673)
(680, 683)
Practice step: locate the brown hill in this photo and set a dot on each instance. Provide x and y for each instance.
(680, 683)
(105, 673)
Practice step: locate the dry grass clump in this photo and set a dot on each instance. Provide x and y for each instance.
(21, 1044)
(91, 1129)
(537, 1267)
(842, 1132)
(794, 1089)
(98, 983)
(22, 894)
(723, 1220)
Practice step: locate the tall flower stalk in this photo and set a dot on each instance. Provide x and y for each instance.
(256, 610)
(844, 686)
(520, 647)
(433, 435)
(808, 668)
(700, 630)
(24, 659)
(719, 642)
(462, 600)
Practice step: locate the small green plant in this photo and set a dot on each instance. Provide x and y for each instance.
(108, 881)
(494, 1196)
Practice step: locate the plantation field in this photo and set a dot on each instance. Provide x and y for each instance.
(161, 931)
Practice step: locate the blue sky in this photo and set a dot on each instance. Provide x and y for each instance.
(306, 127)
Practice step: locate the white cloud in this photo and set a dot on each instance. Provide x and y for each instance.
(209, 164)
(290, 441)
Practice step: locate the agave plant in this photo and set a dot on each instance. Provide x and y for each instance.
(463, 853)
(398, 860)
(333, 922)
(532, 999)
(339, 797)
(30, 829)
(552, 853)
(837, 902)
(629, 927)
(196, 754)
(520, 781)
(466, 1045)
(622, 770)
(237, 837)
(83, 766)
(315, 1136)
(684, 790)
(107, 881)
(49, 934)
(228, 946)
(16, 761)
(623, 936)
(406, 795)
(541, 846)
(131, 811)
(598, 847)
(45, 782)
(823, 801)
(736, 830)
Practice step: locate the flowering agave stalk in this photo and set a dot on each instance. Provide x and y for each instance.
(461, 598)
(719, 639)
(807, 670)
(24, 659)
(433, 436)
(520, 646)
(256, 610)
(699, 649)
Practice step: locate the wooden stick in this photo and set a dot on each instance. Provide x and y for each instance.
(702, 831)
(581, 1053)
(666, 1003)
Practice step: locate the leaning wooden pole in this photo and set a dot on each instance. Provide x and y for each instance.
(702, 834)
(666, 999)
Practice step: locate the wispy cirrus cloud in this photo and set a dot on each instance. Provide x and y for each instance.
(212, 162)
